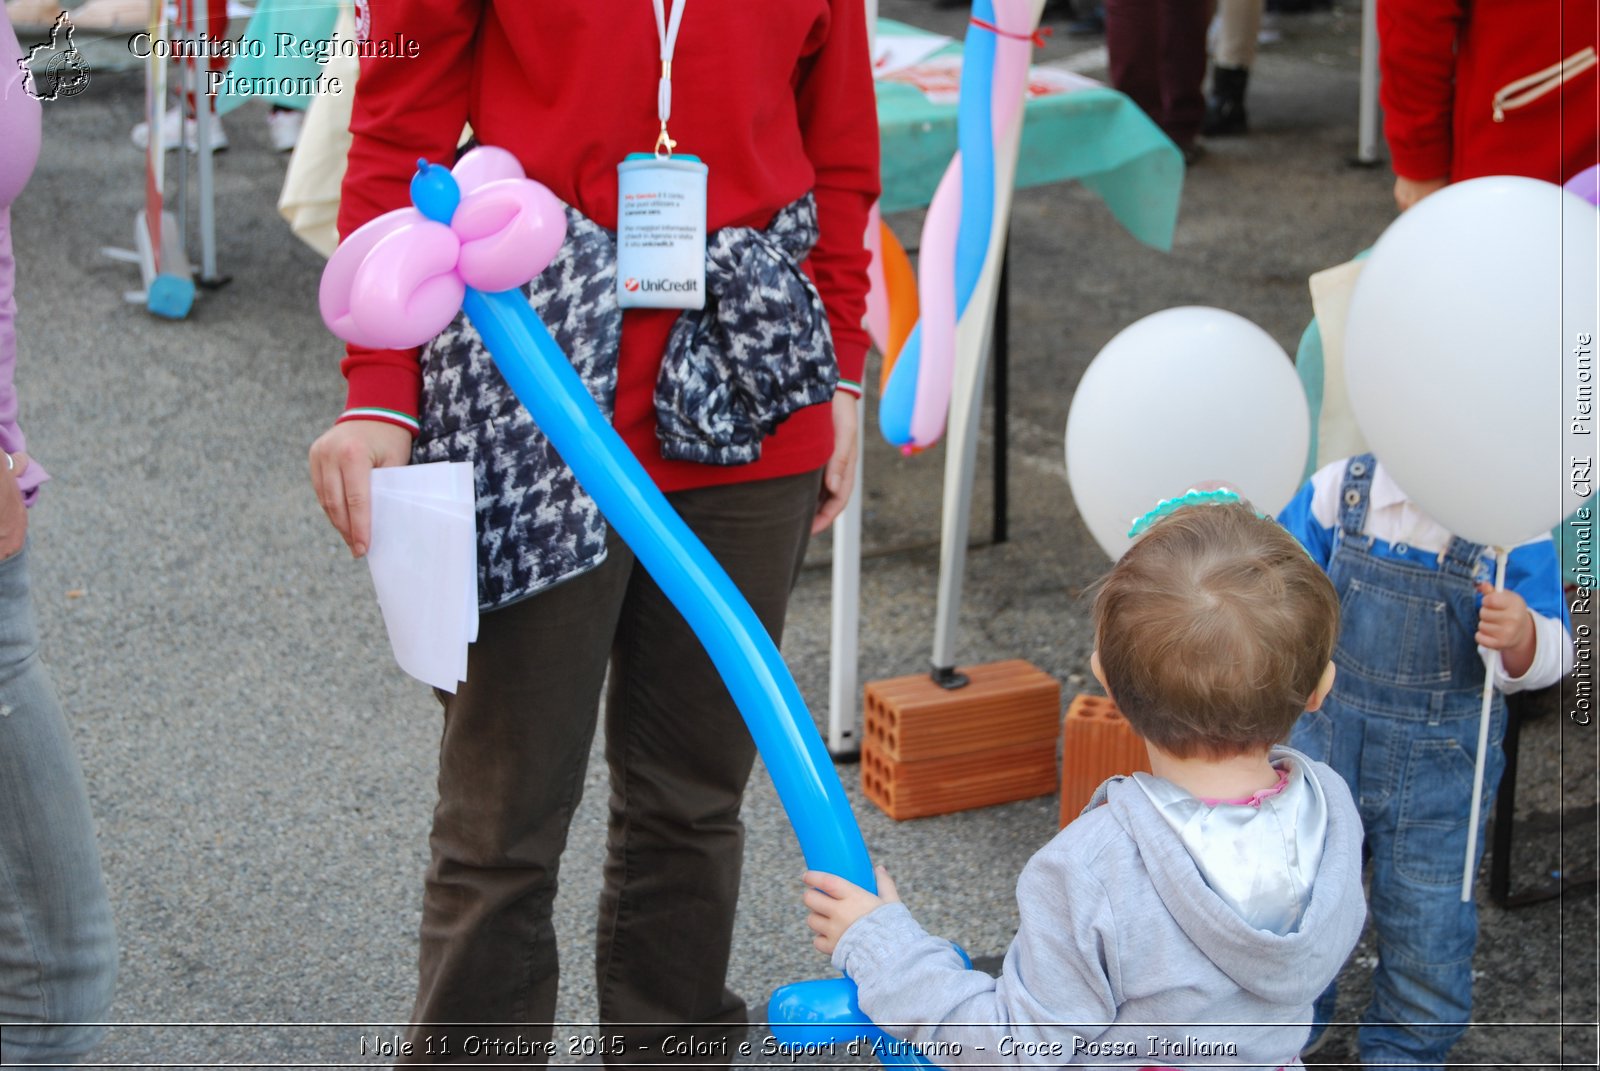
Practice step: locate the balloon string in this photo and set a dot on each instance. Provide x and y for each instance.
(1037, 36)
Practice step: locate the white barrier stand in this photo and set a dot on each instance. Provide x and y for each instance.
(159, 247)
(844, 663)
(844, 715)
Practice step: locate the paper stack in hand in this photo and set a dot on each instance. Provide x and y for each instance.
(424, 563)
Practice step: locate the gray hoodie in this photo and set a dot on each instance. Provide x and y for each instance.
(1124, 955)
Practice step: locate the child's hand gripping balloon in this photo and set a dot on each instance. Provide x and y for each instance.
(836, 904)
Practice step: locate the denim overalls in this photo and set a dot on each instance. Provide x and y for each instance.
(1401, 727)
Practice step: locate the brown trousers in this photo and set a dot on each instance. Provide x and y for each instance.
(511, 769)
(1157, 55)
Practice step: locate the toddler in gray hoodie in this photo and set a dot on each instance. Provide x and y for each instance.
(1188, 917)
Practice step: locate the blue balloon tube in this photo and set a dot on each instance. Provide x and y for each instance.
(898, 401)
(763, 689)
(975, 138)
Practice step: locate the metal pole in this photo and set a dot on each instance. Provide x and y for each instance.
(158, 130)
(1002, 394)
(1367, 137)
(205, 192)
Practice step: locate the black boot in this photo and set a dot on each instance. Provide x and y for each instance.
(1225, 117)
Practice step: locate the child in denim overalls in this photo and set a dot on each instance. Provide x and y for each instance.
(1401, 726)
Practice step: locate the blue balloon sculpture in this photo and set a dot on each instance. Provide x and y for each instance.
(763, 689)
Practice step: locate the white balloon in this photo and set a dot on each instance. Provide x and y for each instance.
(1180, 398)
(1462, 354)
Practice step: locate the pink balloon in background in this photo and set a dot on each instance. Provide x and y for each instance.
(936, 268)
(936, 295)
(877, 288)
(1013, 53)
(1586, 184)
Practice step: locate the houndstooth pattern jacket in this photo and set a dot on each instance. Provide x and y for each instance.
(758, 352)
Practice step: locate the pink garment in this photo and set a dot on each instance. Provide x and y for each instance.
(19, 151)
(1255, 798)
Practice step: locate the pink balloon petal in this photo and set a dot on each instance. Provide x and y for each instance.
(407, 290)
(510, 231)
(338, 277)
(483, 165)
(399, 280)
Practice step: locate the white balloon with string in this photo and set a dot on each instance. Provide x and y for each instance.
(1462, 358)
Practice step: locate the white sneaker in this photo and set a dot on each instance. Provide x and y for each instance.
(283, 126)
(170, 123)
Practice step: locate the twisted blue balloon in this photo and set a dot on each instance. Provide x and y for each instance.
(544, 380)
(975, 140)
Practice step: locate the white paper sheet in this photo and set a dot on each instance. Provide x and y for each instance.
(423, 559)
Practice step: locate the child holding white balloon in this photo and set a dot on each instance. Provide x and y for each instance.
(1401, 727)
(1188, 917)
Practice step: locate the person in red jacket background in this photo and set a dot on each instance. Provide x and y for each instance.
(1492, 87)
(777, 100)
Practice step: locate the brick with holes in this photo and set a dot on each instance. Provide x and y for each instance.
(927, 750)
(1096, 743)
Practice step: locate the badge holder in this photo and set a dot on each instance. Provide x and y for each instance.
(661, 231)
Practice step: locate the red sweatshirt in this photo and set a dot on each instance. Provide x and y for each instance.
(1443, 61)
(775, 96)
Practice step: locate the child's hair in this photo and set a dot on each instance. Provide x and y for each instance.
(1214, 630)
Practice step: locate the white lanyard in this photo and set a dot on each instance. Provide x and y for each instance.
(667, 34)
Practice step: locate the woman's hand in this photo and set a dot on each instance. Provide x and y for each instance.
(342, 460)
(1408, 192)
(13, 512)
(836, 904)
(840, 476)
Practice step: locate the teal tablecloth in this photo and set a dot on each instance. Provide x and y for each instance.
(1095, 135)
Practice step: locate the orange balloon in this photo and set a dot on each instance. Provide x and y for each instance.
(901, 283)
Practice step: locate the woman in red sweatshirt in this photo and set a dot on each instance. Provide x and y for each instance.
(1488, 87)
(776, 98)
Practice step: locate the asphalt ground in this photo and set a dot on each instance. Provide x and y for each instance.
(262, 774)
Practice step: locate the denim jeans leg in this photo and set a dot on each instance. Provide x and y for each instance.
(57, 943)
(1422, 989)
